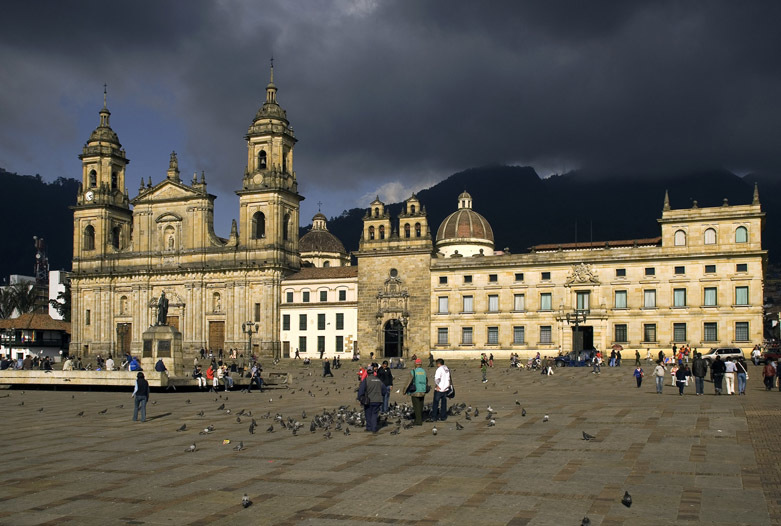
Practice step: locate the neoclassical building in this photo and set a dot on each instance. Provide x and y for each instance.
(126, 252)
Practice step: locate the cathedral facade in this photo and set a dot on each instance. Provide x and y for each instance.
(124, 258)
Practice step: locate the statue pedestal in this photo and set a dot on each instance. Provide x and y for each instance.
(162, 342)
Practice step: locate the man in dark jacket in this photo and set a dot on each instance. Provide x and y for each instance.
(717, 370)
(370, 394)
(384, 373)
(140, 395)
(699, 370)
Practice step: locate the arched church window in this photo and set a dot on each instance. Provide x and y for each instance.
(114, 180)
(412, 209)
(417, 229)
(258, 225)
(382, 231)
(169, 237)
(406, 230)
(216, 302)
(286, 227)
(262, 160)
(710, 237)
(371, 232)
(741, 235)
(326, 263)
(116, 233)
(376, 212)
(680, 238)
(89, 238)
(285, 153)
(123, 305)
(93, 179)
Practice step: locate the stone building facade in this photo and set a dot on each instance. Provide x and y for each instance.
(124, 258)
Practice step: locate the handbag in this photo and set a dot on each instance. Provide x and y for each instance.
(411, 387)
(451, 393)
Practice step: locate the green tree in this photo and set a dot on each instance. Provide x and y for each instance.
(20, 298)
(63, 302)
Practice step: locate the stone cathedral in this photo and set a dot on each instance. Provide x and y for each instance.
(124, 258)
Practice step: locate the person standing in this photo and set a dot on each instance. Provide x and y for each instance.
(298, 355)
(110, 363)
(638, 374)
(370, 394)
(618, 358)
(491, 360)
(255, 377)
(742, 372)
(484, 370)
(729, 375)
(386, 376)
(681, 376)
(768, 375)
(140, 396)
(717, 370)
(419, 381)
(756, 354)
(327, 368)
(699, 370)
(659, 371)
(441, 389)
(637, 358)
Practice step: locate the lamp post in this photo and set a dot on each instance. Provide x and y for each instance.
(576, 318)
(249, 328)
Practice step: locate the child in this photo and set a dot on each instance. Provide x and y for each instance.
(638, 375)
(672, 372)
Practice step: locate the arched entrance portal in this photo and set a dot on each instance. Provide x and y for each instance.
(394, 338)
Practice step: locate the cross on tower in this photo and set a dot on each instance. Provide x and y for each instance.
(319, 204)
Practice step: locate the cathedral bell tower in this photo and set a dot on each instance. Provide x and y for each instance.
(269, 199)
(102, 215)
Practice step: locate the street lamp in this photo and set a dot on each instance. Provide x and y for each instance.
(249, 328)
(576, 318)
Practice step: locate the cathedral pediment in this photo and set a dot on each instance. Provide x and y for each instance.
(168, 191)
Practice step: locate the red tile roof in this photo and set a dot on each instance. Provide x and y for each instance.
(599, 244)
(324, 273)
(35, 321)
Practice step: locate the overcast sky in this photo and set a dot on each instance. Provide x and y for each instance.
(390, 97)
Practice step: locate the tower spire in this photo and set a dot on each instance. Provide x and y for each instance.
(666, 201)
(755, 201)
(104, 113)
(105, 92)
(271, 89)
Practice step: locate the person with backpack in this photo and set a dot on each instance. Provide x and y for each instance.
(417, 389)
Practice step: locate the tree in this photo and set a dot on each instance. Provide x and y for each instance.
(17, 299)
(63, 302)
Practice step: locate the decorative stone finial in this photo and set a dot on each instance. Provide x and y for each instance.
(725, 202)
(149, 184)
(694, 204)
(666, 201)
(173, 167)
(755, 201)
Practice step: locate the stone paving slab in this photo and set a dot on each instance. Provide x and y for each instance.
(685, 460)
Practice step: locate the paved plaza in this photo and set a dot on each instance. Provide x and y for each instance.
(684, 460)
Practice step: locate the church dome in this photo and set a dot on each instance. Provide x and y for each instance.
(320, 247)
(104, 133)
(465, 231)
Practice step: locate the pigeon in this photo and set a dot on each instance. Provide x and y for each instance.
(240, 447)
(490, 410)
(270, 429)
(245, 501)
(627, 500)
(238, 420)
(491, 423)
(517, 402)
(312, 427)
(99, 412)
(585, 522)
(477, 411)
(395, 431)
(222, 406)
(252, 428)
(545, 418)
(81, 413)
(467, 416)
(120, 406)
(154, 402)
(200, 413)
(459, 427)
(187, 401)
(347, 431)
(408, 425)
(191, 449)
(22, 402)
(327, 435)
(434, 431)
(523, 411)
(303, 415)
(183, 428)
(586, 436)
(40, 410)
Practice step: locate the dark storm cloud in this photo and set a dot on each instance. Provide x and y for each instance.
(403, 93)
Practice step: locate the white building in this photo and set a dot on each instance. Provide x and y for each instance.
(57, 280)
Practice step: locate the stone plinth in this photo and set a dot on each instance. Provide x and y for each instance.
(162, 341)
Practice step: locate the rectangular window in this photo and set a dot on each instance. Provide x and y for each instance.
(649, 301)
(519, 335)
(680, 270)
(321, 344)
(339, 344)
(305, 296)
(710, 332)
(321, 322)
(466, 335)
(519, 276)
(650, 271)
(620, 332)
(649, 332)
(620, 272)
(442, 304)
(519, 302)
(257, 312)
(289, 297)
(493, 278)
(546, 301)
(741, 267)
(467, 279)
(710, 297)
(302, 322)
(342, 295)
(493, 335)
(741, 295)
(545, 334)
(493, 303)
(339, 321)
(442, 336)
(741, 331)
(468, 304)
(302, 343)
(679, 332)
(710, 269)
(620, 299)
(87, 317)
(286, 322)
(582, 300)
(679, 297)
(323, 295)
(546, 276)
(443, 280)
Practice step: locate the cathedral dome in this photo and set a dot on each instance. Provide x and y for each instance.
(104, 133)
(321, 248)
(465, 231)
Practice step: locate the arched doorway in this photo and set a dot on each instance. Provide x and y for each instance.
(394, 338)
